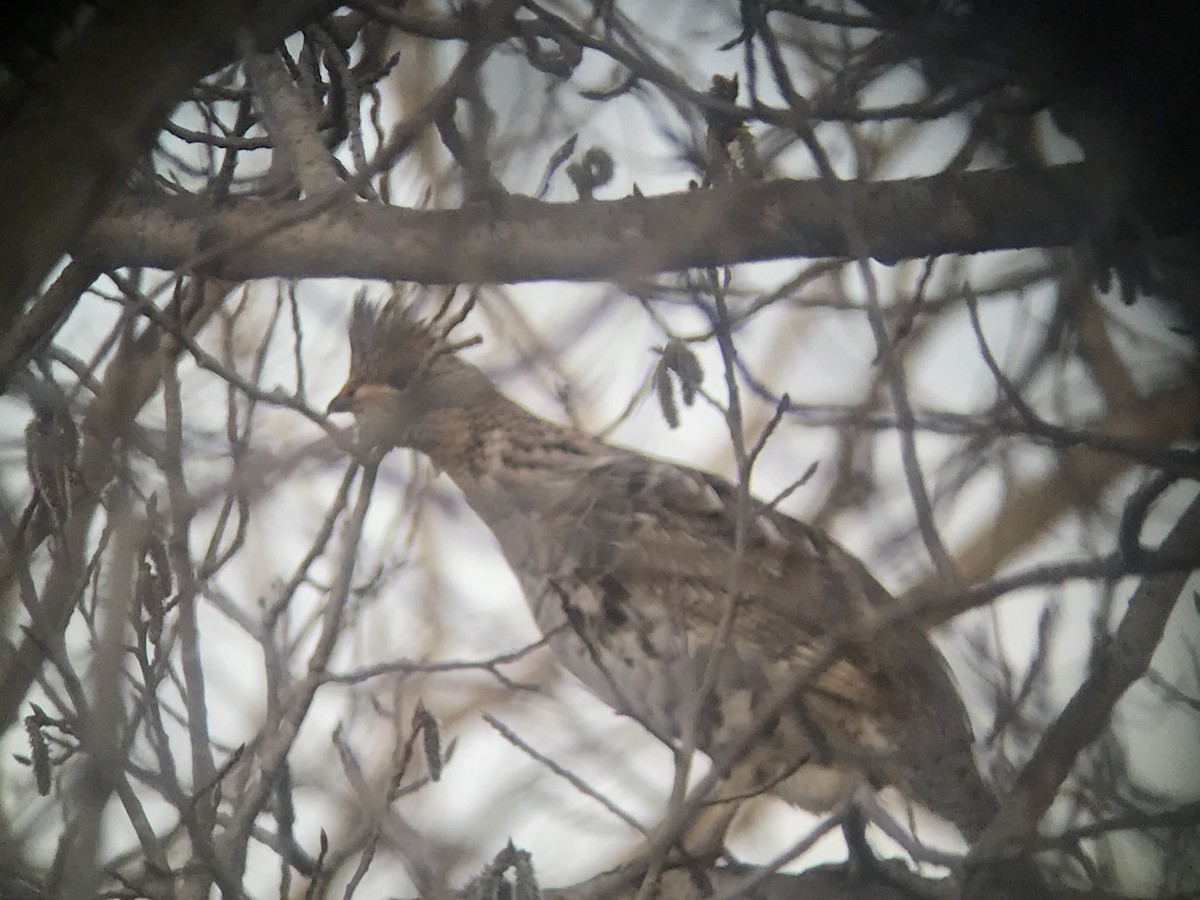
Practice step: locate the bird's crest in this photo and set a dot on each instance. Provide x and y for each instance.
(391, 344)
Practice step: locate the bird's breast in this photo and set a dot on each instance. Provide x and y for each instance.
(635, 660)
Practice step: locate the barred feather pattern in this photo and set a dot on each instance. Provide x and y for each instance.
(628, 565)
(52, 460)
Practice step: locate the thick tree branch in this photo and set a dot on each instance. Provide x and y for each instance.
(832, 882)
(521, 239)
(80, 132)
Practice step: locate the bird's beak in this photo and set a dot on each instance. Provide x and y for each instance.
(343, 402)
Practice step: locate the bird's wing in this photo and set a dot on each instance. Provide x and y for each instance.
(661, 527)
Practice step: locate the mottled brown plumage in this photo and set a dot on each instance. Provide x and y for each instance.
(52, 458)
(626, 563)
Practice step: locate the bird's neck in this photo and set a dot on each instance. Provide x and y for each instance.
(505, 459)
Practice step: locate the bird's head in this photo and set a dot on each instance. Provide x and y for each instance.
(404, 375)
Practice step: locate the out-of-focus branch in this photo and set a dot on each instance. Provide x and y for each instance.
(104, 723)
(81, 130)
(36, 328)
(835, 882)
(300, 155)
(129, 382)
(1167, 416)
(522, 239)
(1087, 714)
(278, 736)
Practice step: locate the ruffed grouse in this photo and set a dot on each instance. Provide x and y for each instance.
(625, 562)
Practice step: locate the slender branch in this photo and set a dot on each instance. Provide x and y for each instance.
(1087, 714)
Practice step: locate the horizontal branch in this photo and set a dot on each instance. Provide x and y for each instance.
(517, 238)
(81, 126)
(829, 882)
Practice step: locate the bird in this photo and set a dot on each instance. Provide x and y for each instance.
(625, 562)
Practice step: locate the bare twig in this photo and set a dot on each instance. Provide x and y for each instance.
(1086, 715)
